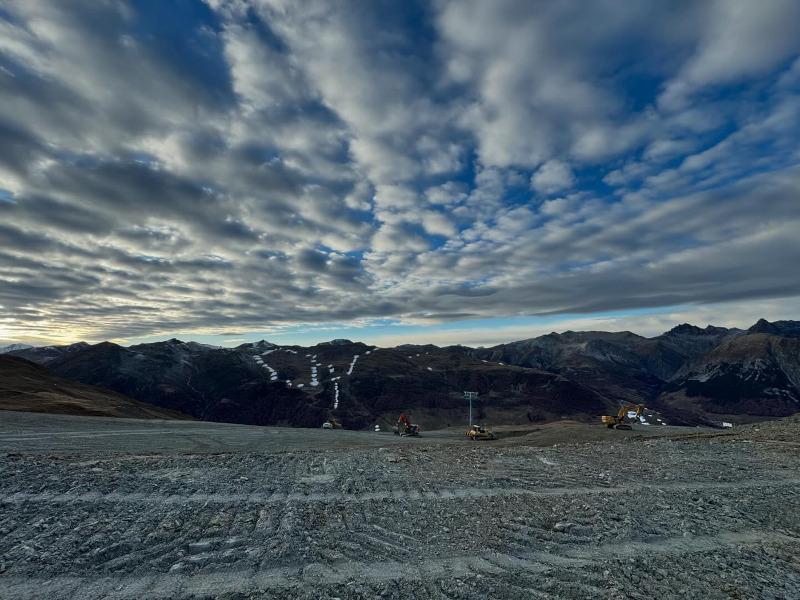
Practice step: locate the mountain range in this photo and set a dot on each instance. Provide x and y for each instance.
(688, 375)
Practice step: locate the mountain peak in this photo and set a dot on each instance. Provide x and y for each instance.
(104, 344)
(708, 330)
(259, 345)
(788, 329)
(337, 342)
(764, 326)
(684, 329)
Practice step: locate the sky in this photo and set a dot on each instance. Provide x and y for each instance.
(443, 171)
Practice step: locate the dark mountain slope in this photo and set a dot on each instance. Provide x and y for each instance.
(209, 384)
(354, 383)
(28, 387)
(666, 354)
(753, 375)
(391, 381)
(614, 365)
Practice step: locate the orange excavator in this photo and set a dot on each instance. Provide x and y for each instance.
(405, 427)
(622, 418)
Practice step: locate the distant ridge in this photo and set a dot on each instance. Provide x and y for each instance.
(790, 329)
(13, 347)
(44, 354)
(691, 375)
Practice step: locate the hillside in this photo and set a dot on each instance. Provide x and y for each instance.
(264, 384)
(25, 386)
(690, 375)
(621, 366)
(756, 374)
(206, 383)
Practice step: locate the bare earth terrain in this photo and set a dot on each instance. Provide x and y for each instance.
(116, 508)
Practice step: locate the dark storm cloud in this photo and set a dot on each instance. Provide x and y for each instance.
(36, 282)
(204, 145)
(10, 260)
(345, 268)
(132, 187)
(234, 229)
(449, 316)
(19, 148)
(64, 216)
(312, 260)
(18, 240)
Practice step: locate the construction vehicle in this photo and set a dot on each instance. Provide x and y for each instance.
(332, 424)
(480, 432)
(405, 428)
(626, 414)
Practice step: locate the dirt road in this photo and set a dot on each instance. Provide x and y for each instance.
(125, 509)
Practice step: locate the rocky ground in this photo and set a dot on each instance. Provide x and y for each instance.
(100, 508)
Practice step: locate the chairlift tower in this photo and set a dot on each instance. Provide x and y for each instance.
(470, 396)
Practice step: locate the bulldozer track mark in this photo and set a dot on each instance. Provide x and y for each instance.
(384, 544)
(453, 494)
(518, 567)
(290, 521)
(680, 545)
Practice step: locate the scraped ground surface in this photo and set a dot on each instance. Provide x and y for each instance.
(114, 508)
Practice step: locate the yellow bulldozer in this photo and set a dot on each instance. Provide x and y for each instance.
(480, 432)
(625, 416)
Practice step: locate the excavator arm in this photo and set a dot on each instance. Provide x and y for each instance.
(620, 420)
(405, 427)
(404, 422)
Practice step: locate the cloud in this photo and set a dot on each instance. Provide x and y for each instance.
(243, 164)
(742, 39)
(542, 76)
(553, 176)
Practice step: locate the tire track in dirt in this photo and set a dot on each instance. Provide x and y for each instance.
(453, 494)
(316, 576)
(651, 520)
(268, 535)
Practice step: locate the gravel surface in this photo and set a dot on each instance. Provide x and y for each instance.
(102, 508)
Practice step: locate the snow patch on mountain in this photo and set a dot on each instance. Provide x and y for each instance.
(352, 364)
(273, 374)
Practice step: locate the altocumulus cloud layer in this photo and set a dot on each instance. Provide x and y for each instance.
(236, 164)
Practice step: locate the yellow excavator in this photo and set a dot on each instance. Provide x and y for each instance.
(622, 418)
(332, 424)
